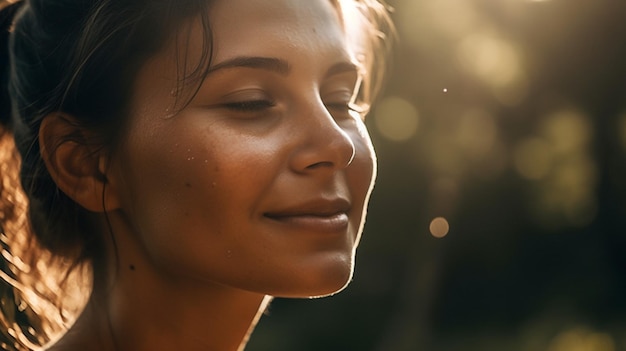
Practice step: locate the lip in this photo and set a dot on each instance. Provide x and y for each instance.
(320, 215)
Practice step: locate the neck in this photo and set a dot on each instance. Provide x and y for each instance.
(136, 306)
(201, 318)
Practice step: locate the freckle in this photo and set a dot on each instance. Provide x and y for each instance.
(216, 169)
(132, 267)
(186, 213)
(214, 184)
(188, 184)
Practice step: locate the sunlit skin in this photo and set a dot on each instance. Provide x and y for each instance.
(256, 188)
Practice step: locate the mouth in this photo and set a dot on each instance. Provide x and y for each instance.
(315, 216)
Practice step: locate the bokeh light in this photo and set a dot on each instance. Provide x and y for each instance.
(533, 158)
(582, 339)
(567, 130)
(439, 227)
(396, 119)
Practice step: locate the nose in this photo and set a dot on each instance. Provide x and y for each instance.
(323, 142)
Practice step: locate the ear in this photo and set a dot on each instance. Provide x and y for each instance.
(77, 167)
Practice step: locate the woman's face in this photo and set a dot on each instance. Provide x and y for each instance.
(261, 182)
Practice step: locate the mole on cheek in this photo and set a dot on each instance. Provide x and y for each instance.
(188, 184)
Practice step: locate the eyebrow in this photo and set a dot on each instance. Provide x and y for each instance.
(272, 64)
(276, 65)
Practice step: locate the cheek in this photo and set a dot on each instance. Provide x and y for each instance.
(160, 175)
(191, 191)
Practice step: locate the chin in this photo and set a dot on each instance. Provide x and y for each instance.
(320, 282)
(330, 292)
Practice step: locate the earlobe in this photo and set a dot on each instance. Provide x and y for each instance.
(77, 166)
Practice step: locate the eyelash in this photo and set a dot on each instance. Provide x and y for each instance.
(260, 105)
(250, 106)
(341, 101)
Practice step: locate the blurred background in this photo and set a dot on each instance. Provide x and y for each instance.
(499, 218)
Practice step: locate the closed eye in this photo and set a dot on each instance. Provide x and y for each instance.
(342, 102)
(249, 105)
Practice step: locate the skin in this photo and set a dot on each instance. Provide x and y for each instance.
(256, 188)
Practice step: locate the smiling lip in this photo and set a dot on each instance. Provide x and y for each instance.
(318, 216)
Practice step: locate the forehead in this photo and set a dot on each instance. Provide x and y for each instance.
(271, 27)
(308, 34)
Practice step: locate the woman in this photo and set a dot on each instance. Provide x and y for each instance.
(197, 156)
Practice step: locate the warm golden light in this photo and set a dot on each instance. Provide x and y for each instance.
(33, 275)
(419, 20)
(568, 130)
(439, 227)
(453, 17)
(582, 339)
(493, 59)
(533, 158)
(559, 159)
(497, 62)
(396, 119)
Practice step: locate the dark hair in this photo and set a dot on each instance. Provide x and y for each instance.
(78, 57)
(81, 58)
